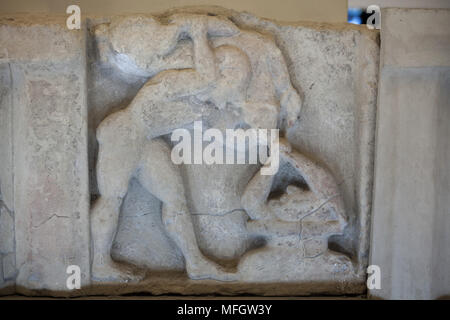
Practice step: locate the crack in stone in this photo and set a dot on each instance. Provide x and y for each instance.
(219, 214)
(48, 219)
(3, 205)
(319, 207)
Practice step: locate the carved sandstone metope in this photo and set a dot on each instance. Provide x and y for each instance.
(86, 171)
(231, 78)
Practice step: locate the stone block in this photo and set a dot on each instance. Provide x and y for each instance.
(415, 37)
(410, 213)
(91, 112)
(410, 219)
(48, 128)
(335, 69)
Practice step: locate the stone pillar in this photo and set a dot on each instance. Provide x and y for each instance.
(7, 244)
(411, 215)
(45, 181)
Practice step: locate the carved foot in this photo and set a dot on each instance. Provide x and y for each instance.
(113, 272)
(204, 269)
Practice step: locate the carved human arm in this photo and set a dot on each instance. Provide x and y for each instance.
(296, 203)
(174, 83)
(264, 220)
(198, 28)
(319, 179)
(290, 100)
(323, 193)
(317, 211)
(192, 81)
(254, 198)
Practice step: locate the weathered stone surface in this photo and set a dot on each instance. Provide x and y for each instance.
(6, 147)
(192, 229)
(141, 238)
(411, 220)
(326, 64)
(47, 37)
(49, 137)
(337, 70)
(9, 266)
(7, 238)
(411, 194)
(415, 38)
(6, 231)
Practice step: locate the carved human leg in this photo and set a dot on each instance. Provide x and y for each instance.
(162, 178)
(119, 143)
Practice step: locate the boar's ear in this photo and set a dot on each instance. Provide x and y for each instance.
(219, 26)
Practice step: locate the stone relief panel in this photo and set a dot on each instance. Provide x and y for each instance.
(221, 79)
(160, 227)
(228, 223)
